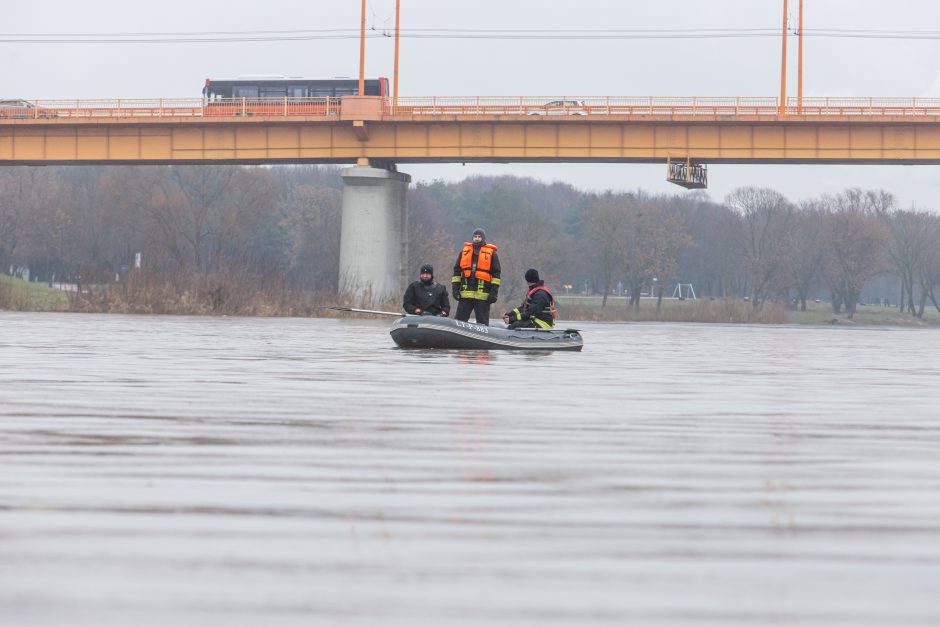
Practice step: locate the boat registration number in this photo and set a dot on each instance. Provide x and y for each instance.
(473, 327)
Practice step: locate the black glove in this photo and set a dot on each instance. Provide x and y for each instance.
(455, 291)
(494, 292)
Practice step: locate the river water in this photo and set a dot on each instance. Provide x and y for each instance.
(232, 471)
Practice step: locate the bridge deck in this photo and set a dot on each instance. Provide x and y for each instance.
(323, 130)
(485, 107)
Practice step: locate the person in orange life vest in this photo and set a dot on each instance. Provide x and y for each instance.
(475, 284)
(426, 297)
(537, 310)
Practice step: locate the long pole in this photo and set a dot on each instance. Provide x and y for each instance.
(370, 311)
(799, 84)
(362, 51)
(397, 31)
(783, 65)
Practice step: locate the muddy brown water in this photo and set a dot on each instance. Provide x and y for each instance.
(232, 471)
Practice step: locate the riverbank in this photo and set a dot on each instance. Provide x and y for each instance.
(224, 298)
(735, 311)
(19, 295)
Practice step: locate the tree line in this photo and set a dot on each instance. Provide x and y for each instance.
(264, 228)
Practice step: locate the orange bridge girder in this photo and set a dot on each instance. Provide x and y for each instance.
(441, 138)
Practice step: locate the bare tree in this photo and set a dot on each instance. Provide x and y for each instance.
(196, 197)
(527, 243)
(46, 221)
(929, 275)
(241, 232)
(765, 242)
(638, 263)
(807, 251)
(11, 218)
(655, 237)
(606, 229)
(311, 221)
(711, 261)
(910, 243)
(856, 240)
(666, 238)
(148, 215)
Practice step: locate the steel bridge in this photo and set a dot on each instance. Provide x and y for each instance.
(374, 134)
(691, 130)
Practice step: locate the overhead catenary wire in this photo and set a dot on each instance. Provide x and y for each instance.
(249, 36)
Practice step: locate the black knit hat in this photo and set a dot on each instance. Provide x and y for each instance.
(481, 232)
(532, 275)
(427, 268)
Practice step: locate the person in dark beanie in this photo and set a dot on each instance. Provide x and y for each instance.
(537, 310)
(426, 297)
(475, 284)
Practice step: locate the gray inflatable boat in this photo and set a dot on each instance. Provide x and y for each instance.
(437, 332)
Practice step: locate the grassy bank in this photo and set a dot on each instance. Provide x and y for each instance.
(865, 315)
(204, 296)
(225, 296)
(734, 310)
(20, 295)
(672, 310)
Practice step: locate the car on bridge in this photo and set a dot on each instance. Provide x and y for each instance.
(18, 108)
(561, 107)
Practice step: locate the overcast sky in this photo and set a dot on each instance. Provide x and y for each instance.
(738, 66)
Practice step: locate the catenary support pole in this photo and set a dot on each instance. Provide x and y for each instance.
(783, 65)
(397, 33)
(799, 81)
(362, 51)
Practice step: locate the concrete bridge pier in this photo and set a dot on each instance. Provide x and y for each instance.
(374, 237)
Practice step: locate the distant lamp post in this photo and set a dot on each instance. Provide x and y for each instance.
(567, 287)
(653, 293)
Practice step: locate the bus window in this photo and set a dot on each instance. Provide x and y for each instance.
(273, 91)
(244, 91)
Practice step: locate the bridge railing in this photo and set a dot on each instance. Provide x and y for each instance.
(423, 107)
(662, 106)
(115, 108)
(864, 106)
(272, 107)
(170, 108)
(586, 106)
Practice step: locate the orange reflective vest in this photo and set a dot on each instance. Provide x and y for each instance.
(480, 268)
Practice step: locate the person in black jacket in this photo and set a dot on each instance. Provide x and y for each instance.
(425, 297)
(537, 310)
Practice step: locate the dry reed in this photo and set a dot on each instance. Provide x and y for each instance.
(143, 293)
(211, 295)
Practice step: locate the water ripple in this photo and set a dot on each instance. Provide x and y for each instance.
(160, 470)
